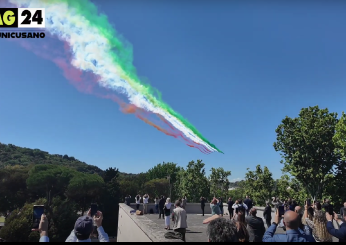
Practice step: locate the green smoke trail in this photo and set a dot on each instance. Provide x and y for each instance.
(123, 56)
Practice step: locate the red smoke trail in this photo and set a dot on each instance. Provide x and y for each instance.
(200, 147)
(86, 82)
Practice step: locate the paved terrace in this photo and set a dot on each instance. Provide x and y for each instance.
(196, 231)
(152, 228)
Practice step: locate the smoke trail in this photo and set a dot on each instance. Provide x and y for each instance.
(87, 83)
(96, 47)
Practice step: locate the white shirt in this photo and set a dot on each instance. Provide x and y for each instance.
(103, 236)
(237, 205)
(139, 200)
(145, 200)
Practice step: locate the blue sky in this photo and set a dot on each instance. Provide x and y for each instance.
(233, 69)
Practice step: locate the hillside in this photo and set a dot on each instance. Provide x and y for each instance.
(15, 155)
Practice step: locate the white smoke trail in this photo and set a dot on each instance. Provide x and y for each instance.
(92, 52)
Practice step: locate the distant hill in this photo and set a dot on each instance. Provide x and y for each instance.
(15, 155)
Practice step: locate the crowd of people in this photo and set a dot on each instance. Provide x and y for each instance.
(311, 222)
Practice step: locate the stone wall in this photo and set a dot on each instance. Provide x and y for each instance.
(191, 208)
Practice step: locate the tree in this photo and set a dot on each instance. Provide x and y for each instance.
(192, 182)
(336, 187)
(162, 171)
(157, 187)
(259, 184)
(128, 187)
(110, 202)
(85, 189)
(62, 216)
(290, 188)
(109, 174)
(13, 193)
(219, 182)
(49, 181)
(61, 222)
(19, 224)
(238, 192)
(307, 148)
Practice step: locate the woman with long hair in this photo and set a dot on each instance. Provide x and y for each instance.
(167, 211)
(242, 232)
(318, 206)
(318, 225)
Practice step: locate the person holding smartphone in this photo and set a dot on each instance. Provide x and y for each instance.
(43, 229)
(291, 221)
(83, 228)
(318, 225)
(338, 233)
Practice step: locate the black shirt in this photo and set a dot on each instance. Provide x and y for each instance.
(162, 203)
(203, 202)
(230, 204)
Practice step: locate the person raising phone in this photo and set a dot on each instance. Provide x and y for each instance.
(83, 228)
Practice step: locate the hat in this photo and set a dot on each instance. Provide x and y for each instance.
(84, 226)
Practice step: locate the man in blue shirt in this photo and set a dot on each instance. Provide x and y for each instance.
(338, 233)
(293, 233)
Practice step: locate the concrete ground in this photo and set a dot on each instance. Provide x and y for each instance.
(196, 231)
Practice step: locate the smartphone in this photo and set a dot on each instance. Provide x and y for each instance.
(308, 202)
(281, 210)
(330, 209)
(93, 209)
(38, 210)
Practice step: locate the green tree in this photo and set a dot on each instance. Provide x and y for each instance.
(110, 173)
(335, 187)
(259, 184)
(85, 189)
(192, 182)
(339, 138)
(129, 187)
(19, 224)
(49, 181)
(62, 216)
(13, 193)
(307, 148)
(219, 182)
(157, 187)
(238, 191)
(287, 187)
(164, 170)
(110, 201)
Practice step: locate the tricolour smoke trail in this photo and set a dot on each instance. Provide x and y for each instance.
(97, 48)
(86, 82)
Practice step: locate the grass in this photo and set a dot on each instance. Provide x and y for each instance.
(2, 219)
